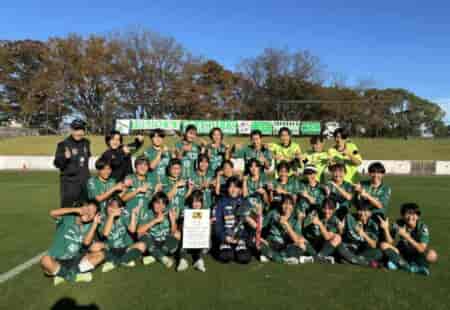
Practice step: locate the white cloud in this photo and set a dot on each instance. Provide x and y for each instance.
(445, 104)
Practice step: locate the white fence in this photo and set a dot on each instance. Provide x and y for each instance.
(45, 163)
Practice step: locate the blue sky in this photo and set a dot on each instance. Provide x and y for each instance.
(395, 43)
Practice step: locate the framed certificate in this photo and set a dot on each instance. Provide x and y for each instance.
(196, 229)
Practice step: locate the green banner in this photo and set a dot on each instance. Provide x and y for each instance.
(204, 127)
(294, 127)
(310, 128)
(140, 124)
(265, 127)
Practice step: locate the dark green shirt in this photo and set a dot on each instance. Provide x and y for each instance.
(276, 232)
(189, 158)
(142, 199)
(160, 170)
(316, 192)
(336, 196)
(249, 152)
(119, 236)
(216, 157)
(312, 232)
(382, 193)
(96, 186)
(158, 232)
(199, 180)
(352, 237)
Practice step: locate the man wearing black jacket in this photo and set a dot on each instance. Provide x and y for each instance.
(72, 159)
(119, 154)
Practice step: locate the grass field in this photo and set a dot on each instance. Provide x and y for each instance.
(26, 230)
(400, 149)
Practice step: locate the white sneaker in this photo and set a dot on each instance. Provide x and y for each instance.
(200, 265)
(147, 260)
(83, 277)
(306, 259)
(330, 259)
(167, 261)
(182, 265)
(108, 266)
(263, 259)
(58, 280)
(291, 261)
(130, 264)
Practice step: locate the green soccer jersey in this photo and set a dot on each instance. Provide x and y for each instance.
(119, 237)
(142, 199)
(276, 232)
(420, 233)
(249, 152)
(382, 193)
(291, 187)
(352, 237)
(352, 174)
(315, 192)
(320, 161)
(160, 170)
(189, 158)
(336, 196)
(97, 186)
(158, 232)
(254, 197)
(178, 200)
(216, 157)
(69, 237)
(312, 232)
(199, 180)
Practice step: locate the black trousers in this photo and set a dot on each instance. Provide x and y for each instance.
(72, 192)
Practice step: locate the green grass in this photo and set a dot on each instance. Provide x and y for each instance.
(26, 230)
(412, 149)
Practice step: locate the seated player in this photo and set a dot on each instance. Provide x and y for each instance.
(117, 230)
(102, 186)
(346, 152)
(317, 157)
(412, 252)
(187, 151)
(255, 150)
(141, 186)
(119, 154)
(374, 192)
(322, 232)
(176, 188)
(195, 201)
(217, 151)
(158, 155)
(254, 185)
(310, 193)
(339, 190)
(69, 257)
(284, 242)
(158, 230)
(359, 238)
(232, 217)
(203, 180)
(283, 185)
(287, 151)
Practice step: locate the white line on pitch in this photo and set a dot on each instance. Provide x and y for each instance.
(19, 269)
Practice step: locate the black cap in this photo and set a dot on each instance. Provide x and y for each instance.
(78, 124)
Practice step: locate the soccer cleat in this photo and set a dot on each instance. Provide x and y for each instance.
(306, 259)
(130, 264)
(413, 268)
(58, 280)
(330, 260)
(83, 277)
(391, 266)
(167, 261)
(147, 260)
(423, 271)
(108, 266)
(182, 265)
(324, 259)
(291, 261)
(263, 259)
(200, 265)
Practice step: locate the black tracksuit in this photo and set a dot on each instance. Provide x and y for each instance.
(74, 171)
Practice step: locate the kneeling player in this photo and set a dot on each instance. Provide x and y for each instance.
(157, 228)
(322, 232)
(117, 230)
(359, 238)
(284, 242)
(412, 252)
(195, 201)
(69, 257)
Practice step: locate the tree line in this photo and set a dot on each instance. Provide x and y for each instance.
(141, 73)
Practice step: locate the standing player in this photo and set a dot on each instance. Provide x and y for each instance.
(255, 150)
(72, 159)
(317, 157)
(346, 152)
(119, 154)
(68, 257)
(339, 190)
(374, 193)
(254, 185)
(412, 252)
(311, 193)
(283, 185)
(287, 150)
(217, 151)
(158, 229)
(158, 155)
(203, 180)
(187, 151)
(102, 186)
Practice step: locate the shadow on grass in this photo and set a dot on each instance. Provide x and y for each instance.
(69, 304)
